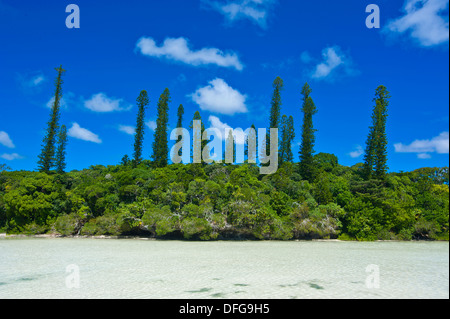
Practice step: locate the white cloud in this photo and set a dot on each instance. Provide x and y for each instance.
(151, 125)
(438, 144)
(130, 130)
(62, 103)
(424, 20)
(219, 97)
(423, 156)
(76, 131)
(217, 123)
(5, 140)
(256, 11)
(103, 104)
(11, 157)
(30, 83)
(334, 63)
(357, 153)
(66, 99)
(37, 80)
(224, 127)
(178, 50)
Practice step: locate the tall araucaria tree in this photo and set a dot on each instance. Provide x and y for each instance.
(251, 147)
(142, 102)
(180, 114)
(275, 110)
(160, 155)
(47, 157)
(375, 157)
(199, 146)
(61, 150)
(307, 167)
(287, 137)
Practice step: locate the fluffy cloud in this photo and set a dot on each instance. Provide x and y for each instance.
(103, 104)
(130, 130)
(424, 21)
(357, 153)
(438, 144)
(30, 81)
(224, 127)
(334, 63)
(5, 140)
(76, 131)
(178, 50)
(219, 97)
(256, 11)
(151, 125)
(62, 103)
(423, 156)
(11, 157)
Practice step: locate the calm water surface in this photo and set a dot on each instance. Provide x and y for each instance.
(48, 268)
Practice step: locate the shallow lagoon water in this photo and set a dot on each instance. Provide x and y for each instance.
(135, 268)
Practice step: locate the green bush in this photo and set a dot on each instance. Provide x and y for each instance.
(68, 225)
(197, 228)
(103, 225)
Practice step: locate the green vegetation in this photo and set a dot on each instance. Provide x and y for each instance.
(160, 145)
(275, 109)
(61, 150)
(316, 198)
(307, 167)
(142, 102)
(220, 201)
(47, 157)
(375, 158)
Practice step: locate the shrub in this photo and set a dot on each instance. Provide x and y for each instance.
(103, 225)
(197, 228)
(68, 225)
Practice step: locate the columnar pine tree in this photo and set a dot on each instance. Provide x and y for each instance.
(47, 157)
(252, 139)
(375, 158)
(230, 149)
(284, 137)
(275, 110)
(160, 144)
(290, 140)
(287, 137)
(125, 160)
(61, 150)
(142, 102)
(180, 114)
(369, 155)
(307, 167)
(204, 143)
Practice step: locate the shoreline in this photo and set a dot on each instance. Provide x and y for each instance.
(104, 237)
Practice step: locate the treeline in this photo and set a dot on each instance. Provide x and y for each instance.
(221, 201)
(313, 198)
(53, 154)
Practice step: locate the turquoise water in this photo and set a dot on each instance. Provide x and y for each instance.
(103, 268)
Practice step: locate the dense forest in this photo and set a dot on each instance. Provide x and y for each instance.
(314, 198)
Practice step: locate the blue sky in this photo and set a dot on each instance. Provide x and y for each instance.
(221, 57)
